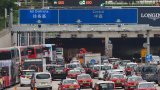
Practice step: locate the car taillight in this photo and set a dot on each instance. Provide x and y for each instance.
(80, 81)
(22, 76)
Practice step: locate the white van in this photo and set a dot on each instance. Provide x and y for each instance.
(41, 80)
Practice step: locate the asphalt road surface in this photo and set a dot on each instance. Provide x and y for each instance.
(55, 86)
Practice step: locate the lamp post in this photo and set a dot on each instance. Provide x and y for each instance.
(148, 42)
(42, 3)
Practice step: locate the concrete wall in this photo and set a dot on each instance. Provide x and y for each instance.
(5, 39)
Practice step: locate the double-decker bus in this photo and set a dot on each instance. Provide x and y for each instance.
(31, 57)
(9, 66)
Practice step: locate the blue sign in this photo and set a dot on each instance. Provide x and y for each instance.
(75, 16)
(98, 16)
(93, 61)
(38, 16)
(149, 57)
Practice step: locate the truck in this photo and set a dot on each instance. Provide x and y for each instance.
(93, 58)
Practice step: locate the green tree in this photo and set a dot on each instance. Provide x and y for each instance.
(6, 4)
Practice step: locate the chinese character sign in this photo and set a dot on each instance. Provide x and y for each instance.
(38, 16)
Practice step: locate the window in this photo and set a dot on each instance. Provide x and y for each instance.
(105, 86)
(43, 76)
(5, 55)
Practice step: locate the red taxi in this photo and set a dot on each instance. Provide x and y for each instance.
(131, 82)
(118, 79)
(85, 80)
(146, 86)
(95, 69)
(69, 84)
(130, 68)
(73, 73)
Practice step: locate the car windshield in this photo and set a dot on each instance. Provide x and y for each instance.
(117, 76)
(106, 67)
(73, 65)
(123, 63)
(96, 67)
(27, 72)
(106, 86)
(74, 72)
(146, 85)
(132, 66)
(59, 68)
(149, 69)
(84, 77)
(43, 76)
(70, 82)
(135, 79)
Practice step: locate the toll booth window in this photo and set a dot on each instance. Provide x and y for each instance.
(5, 55)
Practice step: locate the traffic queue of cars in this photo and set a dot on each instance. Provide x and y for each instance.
(123, 74)
(112, 74)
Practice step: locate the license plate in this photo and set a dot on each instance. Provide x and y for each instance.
(118, 81)
(71, 87)
(84, 82)
(43, 83)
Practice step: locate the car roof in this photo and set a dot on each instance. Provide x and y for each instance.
(68, 79)
(131, 63)
(146, 82)
(83, 74)
(99, 82)
(117, 74)
(74, 70)
(28, 70)
(42, 73)
(117, 70)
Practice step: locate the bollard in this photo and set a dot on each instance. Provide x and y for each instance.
(15, 88)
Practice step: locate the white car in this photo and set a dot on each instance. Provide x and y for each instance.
(132, 65)
(41, 80)
(155, 60)
(75, 61)
(103, 69)
(25, 77)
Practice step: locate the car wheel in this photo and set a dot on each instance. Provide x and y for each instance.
(21, 85)
(50, 88)
(91, 86)
(31, 87)
(158, 83)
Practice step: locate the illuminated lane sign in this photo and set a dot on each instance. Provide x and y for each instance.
(78, 16)
(78, 2)
(38, 16)
(98, 16)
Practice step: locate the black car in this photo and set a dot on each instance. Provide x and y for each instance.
(150, 73)
(58, 72)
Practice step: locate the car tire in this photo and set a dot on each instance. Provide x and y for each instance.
(158, 83)
(21, 85)
(50, 88)
(31, 88)
(91, 86)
